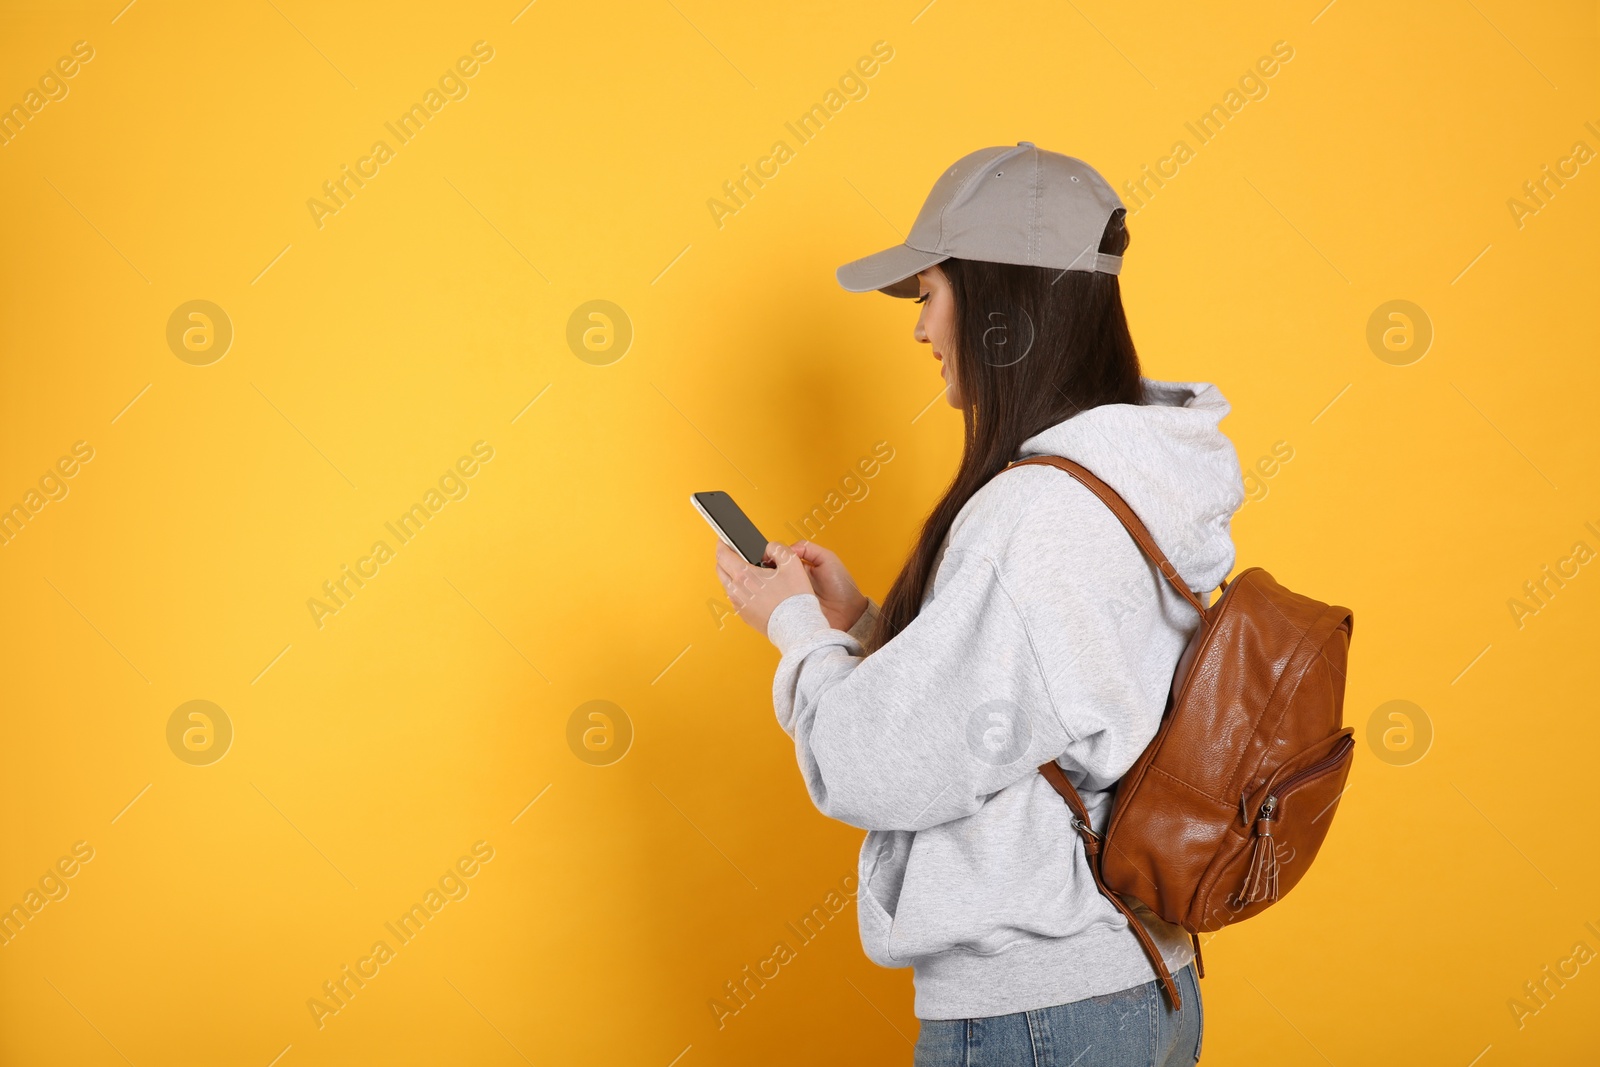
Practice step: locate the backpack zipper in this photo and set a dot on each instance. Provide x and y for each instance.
(1269, 806)
(1261, 877)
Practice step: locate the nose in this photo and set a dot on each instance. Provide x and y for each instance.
(919, 333)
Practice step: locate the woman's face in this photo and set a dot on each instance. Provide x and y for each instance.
(936, 327)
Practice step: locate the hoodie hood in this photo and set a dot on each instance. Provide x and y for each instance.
(1172, 464)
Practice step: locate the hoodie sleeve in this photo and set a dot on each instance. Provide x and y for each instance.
(951, 710)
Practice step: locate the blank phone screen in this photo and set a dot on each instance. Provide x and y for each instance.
(733, 522)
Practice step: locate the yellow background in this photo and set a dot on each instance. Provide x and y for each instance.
(425, 716)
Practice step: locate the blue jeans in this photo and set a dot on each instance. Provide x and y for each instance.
(1130, 1028)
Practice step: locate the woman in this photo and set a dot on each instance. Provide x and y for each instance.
(1025, 627)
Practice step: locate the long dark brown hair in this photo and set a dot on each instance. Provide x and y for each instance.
(1034, 346)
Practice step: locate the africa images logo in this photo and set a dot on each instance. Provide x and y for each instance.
(341, 190)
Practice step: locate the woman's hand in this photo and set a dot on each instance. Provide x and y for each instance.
(755, 591)
(842, 601)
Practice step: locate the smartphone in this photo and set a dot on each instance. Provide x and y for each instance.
(732, 525)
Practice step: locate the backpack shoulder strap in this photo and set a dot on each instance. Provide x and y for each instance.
(1131, 522)
(1091, 852)
(1052, 771)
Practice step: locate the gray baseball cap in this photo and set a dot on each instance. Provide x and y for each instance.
(1017, 204)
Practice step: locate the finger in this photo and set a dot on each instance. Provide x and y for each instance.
(737, 594)
(731, 571)
(736, 571)
(813, 553)
(744, 581)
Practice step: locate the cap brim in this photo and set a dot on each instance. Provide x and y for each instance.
(892, 271)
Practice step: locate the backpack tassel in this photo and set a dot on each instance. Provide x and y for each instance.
(1261, 880)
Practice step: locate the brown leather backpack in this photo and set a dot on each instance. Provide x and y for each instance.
(1226, 808)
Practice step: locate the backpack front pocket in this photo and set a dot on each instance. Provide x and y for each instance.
(1286, 819)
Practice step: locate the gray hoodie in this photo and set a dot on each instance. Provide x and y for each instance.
(1045, 634)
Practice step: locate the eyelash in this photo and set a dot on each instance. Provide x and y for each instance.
(923, 299)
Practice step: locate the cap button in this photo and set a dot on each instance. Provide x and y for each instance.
(1025, 144)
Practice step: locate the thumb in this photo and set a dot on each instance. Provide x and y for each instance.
(814, 553)
(780, 553)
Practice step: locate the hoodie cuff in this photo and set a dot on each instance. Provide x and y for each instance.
(796, 619)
